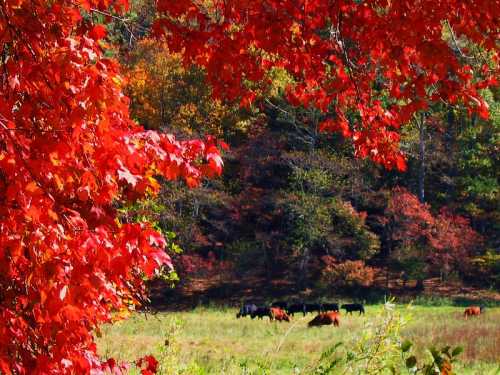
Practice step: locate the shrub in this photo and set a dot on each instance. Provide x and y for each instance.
(351, 273)
(351, 224)
(329, 225)
(380, 349)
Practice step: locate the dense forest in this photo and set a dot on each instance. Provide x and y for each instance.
(297, 205)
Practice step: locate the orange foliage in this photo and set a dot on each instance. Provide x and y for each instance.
(167, 95)
(348, 273)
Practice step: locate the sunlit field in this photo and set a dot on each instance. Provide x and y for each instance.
(213, 341)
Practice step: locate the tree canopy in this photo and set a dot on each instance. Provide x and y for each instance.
(69, 152)
(368, 66)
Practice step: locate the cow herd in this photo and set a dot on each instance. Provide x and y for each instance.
(327, 313)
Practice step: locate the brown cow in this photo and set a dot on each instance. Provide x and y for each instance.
(331, 317)
(473, 311)
(279, 314)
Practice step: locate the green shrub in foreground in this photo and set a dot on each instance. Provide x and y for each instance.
(381, 350)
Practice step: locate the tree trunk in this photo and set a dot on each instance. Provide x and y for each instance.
(387, 279)
(267, 262)
(421, 169)
(303, 268)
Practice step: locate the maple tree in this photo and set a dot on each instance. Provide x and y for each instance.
(443, 240)
(69, 155)
(369, 66)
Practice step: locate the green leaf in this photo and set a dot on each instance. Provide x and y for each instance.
(457, 351)
(333, 364)
(406, 346)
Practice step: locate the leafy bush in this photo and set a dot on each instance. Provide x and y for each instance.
(381, 349)
(313, 180)
(351, 273)
(351, 223)
(327, 225)
(169, 358)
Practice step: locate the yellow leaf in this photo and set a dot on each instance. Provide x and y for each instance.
(33, 188)
(52, 215)
(53, 156)
(59, 183)
(117, 80)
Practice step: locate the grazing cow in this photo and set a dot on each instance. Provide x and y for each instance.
(473, 311)
(279, 314)
(323, 319)
(281, 304)
(296, 308)
(350, 307)
(246, 309)
(312, 307)
(325, 307)
(261, 312)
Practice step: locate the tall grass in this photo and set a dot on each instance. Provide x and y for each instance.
(456, 301)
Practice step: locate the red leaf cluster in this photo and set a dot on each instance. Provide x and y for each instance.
(449, 238)
(69, 153)
(150, 365)
(380, 60)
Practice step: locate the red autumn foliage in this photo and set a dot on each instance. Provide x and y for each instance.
(196, 264)
(149, 363)
(382, 60)
(69, 152)
(448, 238)
(453, 241)
(411, 220)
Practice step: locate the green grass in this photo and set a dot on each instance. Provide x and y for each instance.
(213, 341)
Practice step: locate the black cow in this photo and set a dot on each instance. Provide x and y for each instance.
(350, 307)
(281, 304)
(296, 308)
(261, 312)
(246, 309)
(312, 307)
(330, 307)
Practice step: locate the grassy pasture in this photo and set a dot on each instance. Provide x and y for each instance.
(213, 341)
